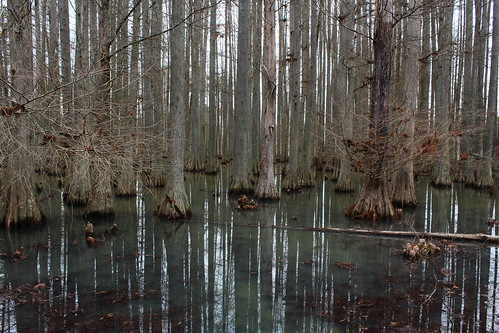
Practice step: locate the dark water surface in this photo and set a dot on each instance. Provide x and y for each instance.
(227, 271)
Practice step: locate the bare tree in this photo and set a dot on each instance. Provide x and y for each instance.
(19, 203)
(175, 203)
(373, 201)
(266, 187)
(486, 179)
(241, 173)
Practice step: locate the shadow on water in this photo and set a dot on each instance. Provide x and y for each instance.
(231, 271)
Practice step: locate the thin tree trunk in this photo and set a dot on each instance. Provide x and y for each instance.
(292, 181)
(211, 158)
(196, 162)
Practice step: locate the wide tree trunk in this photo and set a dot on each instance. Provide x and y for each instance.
(373, 201)
(175, 203)
(486, 178)
(442, 85)
(101, 198)
(266, 187)
(241, 172)
(19, 201)
(403, 192)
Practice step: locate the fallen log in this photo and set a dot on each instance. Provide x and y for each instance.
(480, 237)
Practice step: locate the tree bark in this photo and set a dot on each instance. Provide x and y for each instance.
(175, 203)
(486, 177)
(242, 170)
(373, 201)
(18, 201)
(266, 187)
(403, 192)
(211, 158)
(291, 181)
(101, 198)
(442, 84)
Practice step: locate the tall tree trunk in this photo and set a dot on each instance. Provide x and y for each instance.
(125, 174)
(241, 173)
(19, 202)
(291, 181)
(282, 96)
(101, 199)
(486, 178)
(373, 201)
(211, 158)
(175, 203)
(266, 187)
(65, 55)
(256, 86)
(403, 192)
(307, 157)
(196, 162)
(442, 90)
(345, 90)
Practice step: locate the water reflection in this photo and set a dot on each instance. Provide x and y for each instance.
(228, 271)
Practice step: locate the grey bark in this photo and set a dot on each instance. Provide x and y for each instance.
(241, 173)
(211, 151)
(292, 181)
(442, 90)
(266, 187)
(175, 203)
(486, 176)
(18, 200)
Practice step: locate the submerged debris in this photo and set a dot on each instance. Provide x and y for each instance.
(243, 203)
(345, 265)
(493, 222)
(419, 249)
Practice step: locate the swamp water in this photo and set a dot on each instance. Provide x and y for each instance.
(228, 271)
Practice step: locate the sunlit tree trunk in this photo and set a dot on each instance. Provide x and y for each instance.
(211, 152)
(291, 180)
(19, 200)
(175, 203)
(486, 177)
(241, 172)
(442, 76)
(373, 201)
(266, 187)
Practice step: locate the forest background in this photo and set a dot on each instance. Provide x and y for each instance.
(108, 94)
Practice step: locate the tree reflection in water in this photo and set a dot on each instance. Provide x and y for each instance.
(228, 271)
